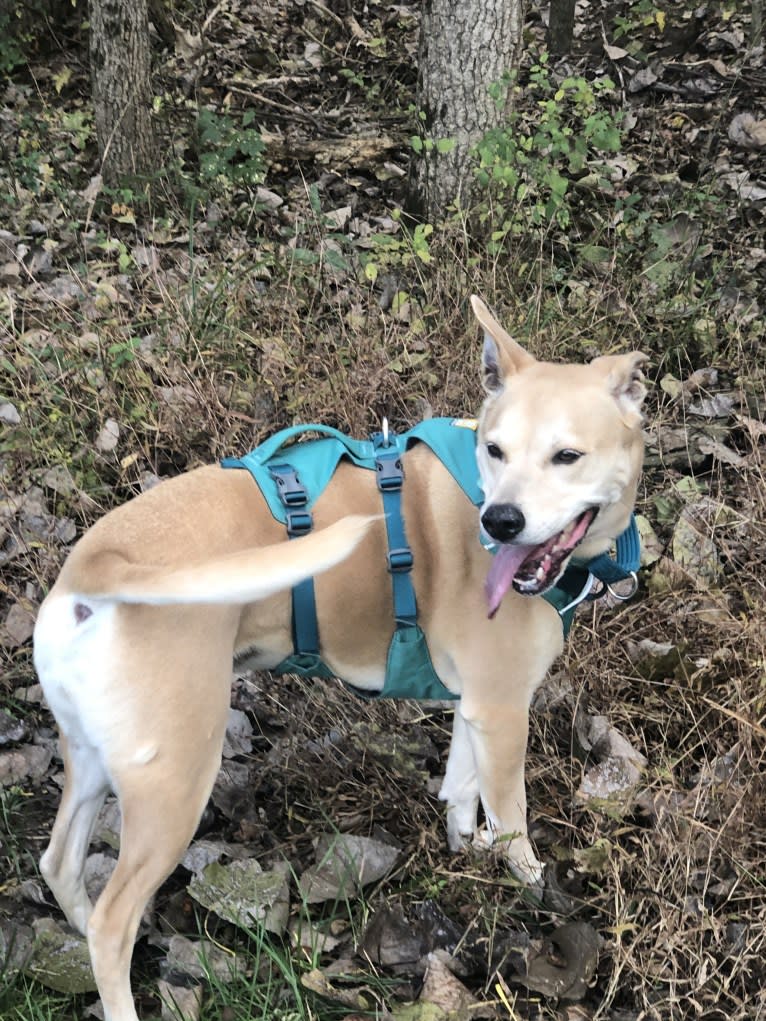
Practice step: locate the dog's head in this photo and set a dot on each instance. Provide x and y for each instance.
(559, 452)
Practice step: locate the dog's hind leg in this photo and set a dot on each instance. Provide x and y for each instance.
(68, 647)
(157, 825)
(142, 696)
(161, 801)
(460, 788)
(63, 864)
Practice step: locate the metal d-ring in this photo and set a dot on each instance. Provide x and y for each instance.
(384, 431)
(623, 597)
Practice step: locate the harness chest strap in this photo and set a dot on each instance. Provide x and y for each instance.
(299, 521)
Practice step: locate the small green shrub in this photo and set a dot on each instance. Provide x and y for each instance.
(528, 164)
(229, 148)
(12, 39)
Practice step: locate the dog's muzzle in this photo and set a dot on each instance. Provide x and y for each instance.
(503, 521)
(532, 569)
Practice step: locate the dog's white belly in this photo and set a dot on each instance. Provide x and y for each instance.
(367, 678)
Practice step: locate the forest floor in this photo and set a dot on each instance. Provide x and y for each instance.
(269, 280)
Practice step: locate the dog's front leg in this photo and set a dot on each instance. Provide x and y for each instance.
(498, 739)
(460, 788)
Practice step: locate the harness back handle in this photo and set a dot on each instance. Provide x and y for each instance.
(266, 450)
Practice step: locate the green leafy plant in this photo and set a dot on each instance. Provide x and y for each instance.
(399, 250)
(12, 39)
(529, 163)
(123, 352)
(371, 90)
(638, 18)
(12, 847)
(230, 148)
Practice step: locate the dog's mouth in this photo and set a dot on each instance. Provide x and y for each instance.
(533, 569)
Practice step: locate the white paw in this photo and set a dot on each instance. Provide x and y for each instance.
(523, 862)
(484, 838)
(457, 837)
(461, 823)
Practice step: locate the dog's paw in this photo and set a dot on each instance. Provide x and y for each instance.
(457, 838)
(484, 839)
(517, 852)
(461, 824)
(524, 863)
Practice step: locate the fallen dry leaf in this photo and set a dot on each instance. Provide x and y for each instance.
(18, 627)
(748, 131)
(563, 965)
(179, 1003)
(693, 547)
(316, 981)
(243, 893)
(109, 436)
(443, 989)
(345, 864)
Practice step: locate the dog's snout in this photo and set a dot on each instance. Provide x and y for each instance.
(503, 521)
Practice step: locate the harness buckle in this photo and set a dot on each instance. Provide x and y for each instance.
(294, 498)
(290, 489)
(389, 473)
(400, 560)
(298, 522)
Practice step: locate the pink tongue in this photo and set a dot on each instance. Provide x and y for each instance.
(505, 564)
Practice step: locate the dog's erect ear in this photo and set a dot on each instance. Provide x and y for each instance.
(502, 356)
(625, 381)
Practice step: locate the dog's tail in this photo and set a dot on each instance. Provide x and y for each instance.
(241, 577)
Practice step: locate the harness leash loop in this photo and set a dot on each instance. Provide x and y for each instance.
(580, 597)
(624, 596)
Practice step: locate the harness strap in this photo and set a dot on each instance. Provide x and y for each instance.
(390, 477)
(294, 498)
(298, 519)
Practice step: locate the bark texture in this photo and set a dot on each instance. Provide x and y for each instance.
(465, 46)
(120, 60)
(561, 26)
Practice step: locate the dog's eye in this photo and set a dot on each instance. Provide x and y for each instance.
(567, 456)
(494, 452)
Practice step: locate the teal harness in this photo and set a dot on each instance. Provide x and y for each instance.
(292, 480)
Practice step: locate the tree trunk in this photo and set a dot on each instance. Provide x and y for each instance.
(756, 35)
(561, 26)
(120, 60)
(465, 47)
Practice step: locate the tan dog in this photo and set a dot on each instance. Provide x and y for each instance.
(134, 644)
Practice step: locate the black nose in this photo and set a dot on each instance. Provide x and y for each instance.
(503, 521)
